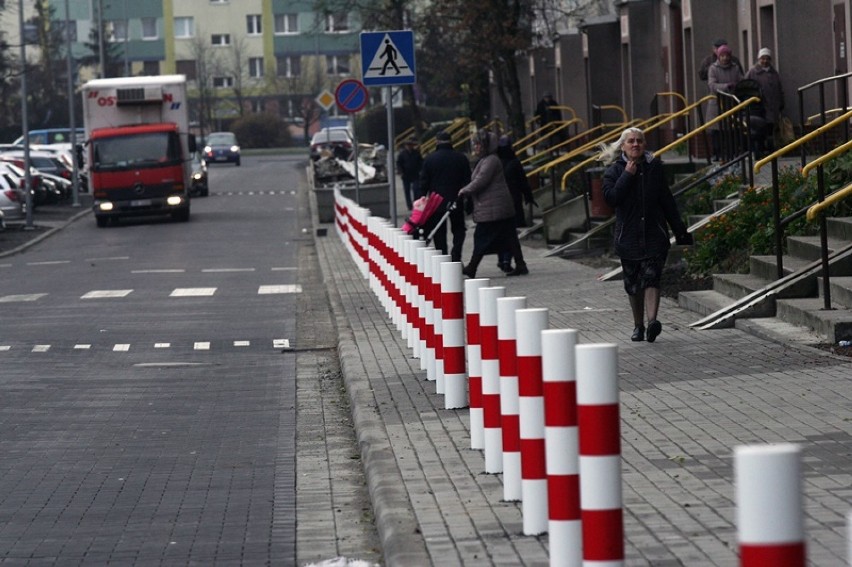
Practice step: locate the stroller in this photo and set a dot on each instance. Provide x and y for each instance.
(759, 129)
(423, 217)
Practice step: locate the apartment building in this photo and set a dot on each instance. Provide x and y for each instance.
(243, 55)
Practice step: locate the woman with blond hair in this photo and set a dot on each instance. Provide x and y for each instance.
(635, 185)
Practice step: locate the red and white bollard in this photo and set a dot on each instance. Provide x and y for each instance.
(770, 516)
(492, 436)
(412, 331)
(435, 349)
(398, 279)
(559, 380)
(424, 304)
(531, 323)
(452, 309)
(600, 454)
(507, 339)
(474, 359)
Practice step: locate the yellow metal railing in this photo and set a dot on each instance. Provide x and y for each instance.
(832, 199)
(841, 149)
(803, 140)
(539, 135)
(689, 135)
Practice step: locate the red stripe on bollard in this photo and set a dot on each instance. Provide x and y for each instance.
(603, 535)
(454, 360)
(529, 376)
(452, 305)
(560, 404)
(533, 466)
(491, 408)
(507, 356)
(475, 385)
(511, 433)
(594, 439)
(780, 555)
(488, 335)
(563, 497)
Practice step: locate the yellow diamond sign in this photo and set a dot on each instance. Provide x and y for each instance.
(325, 99)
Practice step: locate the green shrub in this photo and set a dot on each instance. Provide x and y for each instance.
(261, 130)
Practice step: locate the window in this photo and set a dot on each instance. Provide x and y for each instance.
(253, 24)
(220, 39)
(256, 105)
(149, 28)
(151, 68)
(184, 27)
(186, 67)
(118, 29)
(60, 24)
(223, 82)
(289, 66)
(337, 65)
(286, 23)
(337, 22)
(255, 67)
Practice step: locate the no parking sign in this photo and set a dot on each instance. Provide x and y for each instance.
(351, 95)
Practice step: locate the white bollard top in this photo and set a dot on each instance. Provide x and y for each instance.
(471, 294)
(530, 324)
(488, 305)
(557, 348)
(506, 307)
(597, 374)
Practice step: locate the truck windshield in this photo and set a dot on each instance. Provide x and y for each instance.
(138, 150)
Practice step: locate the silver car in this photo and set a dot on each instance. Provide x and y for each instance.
(11, 202)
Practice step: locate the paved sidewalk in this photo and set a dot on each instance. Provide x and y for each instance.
(686, 401)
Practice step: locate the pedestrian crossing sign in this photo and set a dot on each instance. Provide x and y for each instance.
(387, 58)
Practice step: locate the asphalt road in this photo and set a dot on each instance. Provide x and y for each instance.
(148, 387)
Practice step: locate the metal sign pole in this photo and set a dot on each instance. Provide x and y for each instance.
(391, 161)
(357, 169)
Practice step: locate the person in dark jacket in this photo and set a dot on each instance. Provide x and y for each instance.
(444, 172)
(408, 163)
(636, 187)
(519, 187)
(493, 210)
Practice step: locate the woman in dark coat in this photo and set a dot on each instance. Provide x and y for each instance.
(493, 210)
(519, 187)
(635, 186)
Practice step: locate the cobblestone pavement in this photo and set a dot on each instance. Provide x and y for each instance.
(686, 401)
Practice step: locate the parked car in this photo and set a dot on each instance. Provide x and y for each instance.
(11, 205)
(47, 163)
(51, 136)
(335, 142)
(199, 176)
(222, 147)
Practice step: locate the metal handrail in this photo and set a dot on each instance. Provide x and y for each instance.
(842, 81)
(800, 141)
(579, 150)
(832, 199)
(841, 149)
(706, 125)
(551, 128)
(613, 107)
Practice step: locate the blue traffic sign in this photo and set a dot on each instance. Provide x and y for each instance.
(387, 58)
(351, 95)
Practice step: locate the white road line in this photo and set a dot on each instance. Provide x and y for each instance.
(5, 265)
(121, 348)
(281, 343)
(225, 270)
(201, 345)
(22, 297)
(41, 348)
(103, 293)
(49, 263)
(162, 345)
(193, 292)
(174, 271)
(108, 258)
(284, 269)
(242, 343)
(272, 289)
(4, 348)
(82, 347)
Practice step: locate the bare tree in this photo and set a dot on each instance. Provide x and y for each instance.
(206, 60)
(300, 84)
(236, 67)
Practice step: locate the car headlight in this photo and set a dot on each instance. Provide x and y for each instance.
(174, 200)
(235, 149)
(196, 176)
(105, 206)
(207, 149)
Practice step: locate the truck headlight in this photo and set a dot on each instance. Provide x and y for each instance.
(105, 206)
(174, 200)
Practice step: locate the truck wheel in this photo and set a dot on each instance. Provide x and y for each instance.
(102, 221)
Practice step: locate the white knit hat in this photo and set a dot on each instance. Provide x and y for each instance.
(764, 51)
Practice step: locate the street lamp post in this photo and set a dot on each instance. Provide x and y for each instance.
(24, 121)
(75, 178)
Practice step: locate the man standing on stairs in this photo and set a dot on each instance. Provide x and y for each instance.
(635, 186)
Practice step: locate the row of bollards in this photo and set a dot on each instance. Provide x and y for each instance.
(543, 408)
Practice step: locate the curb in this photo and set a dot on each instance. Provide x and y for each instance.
(46, 234)
(396, 521)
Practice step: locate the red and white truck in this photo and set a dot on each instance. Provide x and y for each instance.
(138, 146)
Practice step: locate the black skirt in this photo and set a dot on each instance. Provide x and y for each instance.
(493, 237)
(642, 274)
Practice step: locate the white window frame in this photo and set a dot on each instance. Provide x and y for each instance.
(223, 82)
(286, 24)
(337, 23)
(332, 65)
(184, 27)
(288, 64)
(255, 65)
(147, 25)
(116, 26)
(224, 40)
(254, 24)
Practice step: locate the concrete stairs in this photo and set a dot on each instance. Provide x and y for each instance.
(798, 298)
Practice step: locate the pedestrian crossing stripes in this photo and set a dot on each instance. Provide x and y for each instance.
(201, 345)
(277, 289)
(250, 193)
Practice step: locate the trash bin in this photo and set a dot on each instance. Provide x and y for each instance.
(598, 207)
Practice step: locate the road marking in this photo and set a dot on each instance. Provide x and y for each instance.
(193, 292)
(41, 348)
(22, 297)
(270, 289)
(175, 271)
(283, 269)
(242, 343)
(121, 348)
(162, 345)
(5, 265)
(281, 343)
(103, 293)
(83, 346)
(49, 263)
(4, 348)
(225, 270)
(201, 345)
(108, 258)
